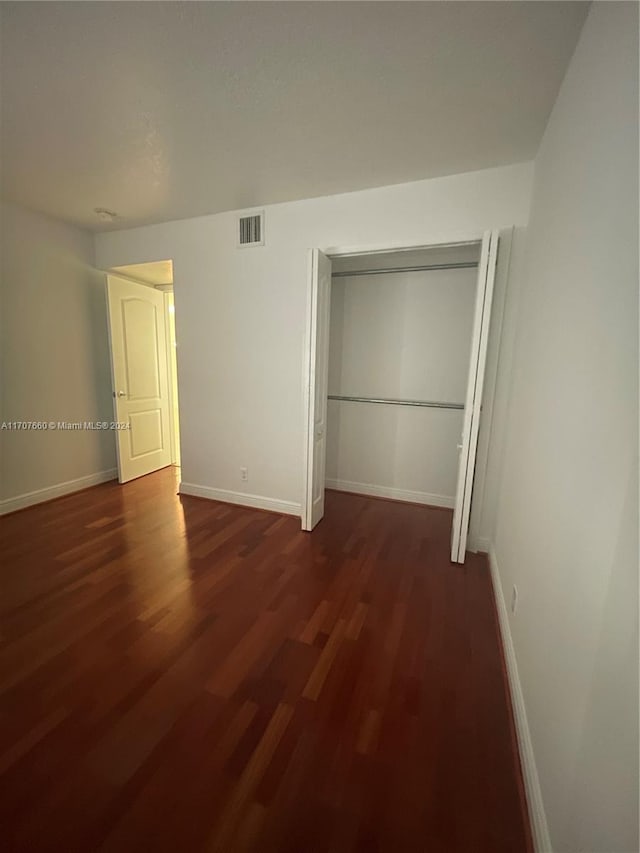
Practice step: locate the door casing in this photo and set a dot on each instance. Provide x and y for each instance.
(437, 240)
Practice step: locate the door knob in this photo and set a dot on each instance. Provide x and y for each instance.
(122, 393)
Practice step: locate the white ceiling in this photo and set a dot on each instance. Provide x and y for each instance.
(163, 111)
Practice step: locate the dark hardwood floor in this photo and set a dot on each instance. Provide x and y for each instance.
(184, 675)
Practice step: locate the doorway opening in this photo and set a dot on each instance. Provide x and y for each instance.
(143, 350)
(396, 350)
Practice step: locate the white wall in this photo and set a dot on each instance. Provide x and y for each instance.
(55, 362)
(406, 336)
(240, 313)
(567, 520)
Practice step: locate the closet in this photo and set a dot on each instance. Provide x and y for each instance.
(400, 337)
(396, 352)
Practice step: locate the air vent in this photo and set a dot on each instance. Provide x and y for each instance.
(251, 230)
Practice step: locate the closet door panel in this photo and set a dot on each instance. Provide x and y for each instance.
(316, 387)
(471, 424)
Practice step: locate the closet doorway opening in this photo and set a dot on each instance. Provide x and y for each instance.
(142, 341)
(395, 360)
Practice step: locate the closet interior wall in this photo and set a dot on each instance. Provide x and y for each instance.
(399, 335)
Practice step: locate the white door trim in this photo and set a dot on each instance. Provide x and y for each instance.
(435, 241)
(174, 418)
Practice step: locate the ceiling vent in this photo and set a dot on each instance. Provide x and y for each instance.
(251, 230)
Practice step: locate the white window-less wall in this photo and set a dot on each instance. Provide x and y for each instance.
(240, 315)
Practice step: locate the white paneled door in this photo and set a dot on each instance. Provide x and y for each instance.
(316, 387)
(473, 402)
(139, 373)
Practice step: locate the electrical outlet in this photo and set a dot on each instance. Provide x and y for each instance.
(514, 598)
(244, 474)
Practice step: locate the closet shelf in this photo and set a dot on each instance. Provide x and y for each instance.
(388, 401)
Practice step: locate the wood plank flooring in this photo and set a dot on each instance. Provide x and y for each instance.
(183, 675)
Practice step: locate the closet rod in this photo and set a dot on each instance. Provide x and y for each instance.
(429, 404)
(462, 265)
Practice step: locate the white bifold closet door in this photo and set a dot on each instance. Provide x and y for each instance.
(473, 401)
(316, 388)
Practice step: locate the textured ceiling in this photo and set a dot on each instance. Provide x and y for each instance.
(163, 111)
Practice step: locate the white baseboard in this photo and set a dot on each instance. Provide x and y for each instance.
(240, 498)
(57, 491)
(540, 829)
(389, 492)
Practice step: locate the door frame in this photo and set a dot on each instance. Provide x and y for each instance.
(172, 368)
(437, 240)
(167, 291)
(110, 278)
